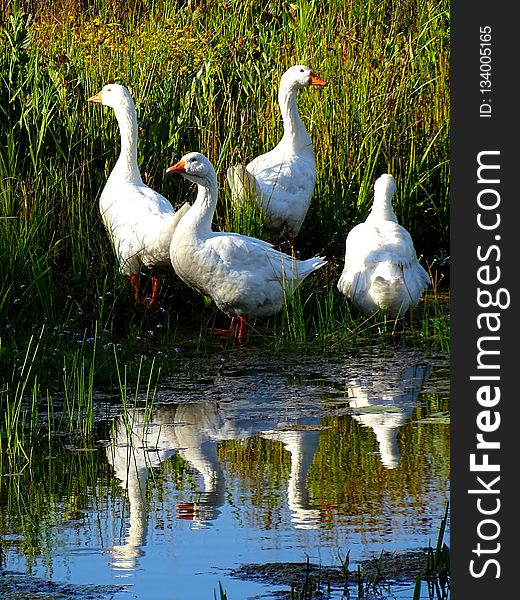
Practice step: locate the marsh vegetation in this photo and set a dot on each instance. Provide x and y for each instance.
(204, 76)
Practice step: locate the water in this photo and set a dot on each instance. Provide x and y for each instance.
(247, 458)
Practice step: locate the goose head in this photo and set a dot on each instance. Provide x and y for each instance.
(300, 76)
(113, 95)
(385, 186)
(195, 167)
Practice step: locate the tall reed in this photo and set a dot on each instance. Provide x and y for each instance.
(205, 77)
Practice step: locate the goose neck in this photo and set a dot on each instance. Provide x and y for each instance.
(295, 133)
(127, 167)
(382, 209)
(205, 205)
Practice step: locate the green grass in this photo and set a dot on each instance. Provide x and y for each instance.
(438, 572)
(197, 87)
(205, 77)
(37, 405)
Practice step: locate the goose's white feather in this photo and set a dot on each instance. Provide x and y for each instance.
(381, 270)
(245, 276)
(282, 180)
(139, 221)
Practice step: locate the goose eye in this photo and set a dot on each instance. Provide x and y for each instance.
(302, 70)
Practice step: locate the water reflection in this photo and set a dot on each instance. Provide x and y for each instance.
(384, 402)
(145, 439)
(250, 457)
(302, 446)
(380, 397)
(137, 444)
(196, 432)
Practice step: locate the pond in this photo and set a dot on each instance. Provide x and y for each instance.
(243, 458)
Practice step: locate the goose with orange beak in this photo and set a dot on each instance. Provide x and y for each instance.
(246, 277)
(139, 221)
(282, 181)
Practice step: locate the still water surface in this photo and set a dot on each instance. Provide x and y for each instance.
(246, 457)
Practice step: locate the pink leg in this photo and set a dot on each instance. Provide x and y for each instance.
(186, 511)
(408, 317)
(134, 280)
(237, 329)
(241, 335)
(226, 332)
(150, 301)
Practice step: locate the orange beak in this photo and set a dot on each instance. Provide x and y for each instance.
(317, 81)
(96, 99)
(177, 168)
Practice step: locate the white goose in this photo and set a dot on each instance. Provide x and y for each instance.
(246, 277)
(381, 269)
(139, 221)
(282, 181)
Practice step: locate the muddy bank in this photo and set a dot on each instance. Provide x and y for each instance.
(384, 570)
(14, 586)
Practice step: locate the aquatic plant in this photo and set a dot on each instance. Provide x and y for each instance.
(203, 78)
(437, 573)
(387, 112)
(222, 593)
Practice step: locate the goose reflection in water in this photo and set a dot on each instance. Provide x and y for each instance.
(385, 406)
(377, 399)
(302, 445)
(145, 441)
(199, 427)
(137, 445)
